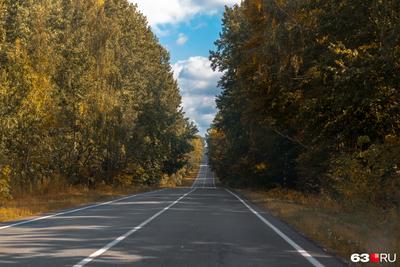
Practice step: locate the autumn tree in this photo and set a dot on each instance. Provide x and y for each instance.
(87, 95)
(310, 97)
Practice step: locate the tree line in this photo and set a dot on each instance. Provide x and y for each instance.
(87, 95)
(310, 98)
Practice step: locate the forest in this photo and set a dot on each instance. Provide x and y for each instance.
(87, 97)
(310, 99)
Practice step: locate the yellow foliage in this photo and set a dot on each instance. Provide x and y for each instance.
(367, 47)
(322, 40)
(124, 180)
(258, 4)
(100, 3)
(339, 49)
(82, 108)
(261, 166)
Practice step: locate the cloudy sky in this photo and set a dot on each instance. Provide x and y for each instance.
(188, 29)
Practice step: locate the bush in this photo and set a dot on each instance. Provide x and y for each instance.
(368, 177)
(5, 189)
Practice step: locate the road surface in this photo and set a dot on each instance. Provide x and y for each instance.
(200, 226)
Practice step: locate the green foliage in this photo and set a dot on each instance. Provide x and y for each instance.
(86, 93)
(367, 177)
(310, 94)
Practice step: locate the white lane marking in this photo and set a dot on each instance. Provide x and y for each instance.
(194, 185)
(195, 181)
(76, 210)
(124, 236)
(207, 187)
(299, 249)
(201, 182)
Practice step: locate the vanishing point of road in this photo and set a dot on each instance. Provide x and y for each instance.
(204, 225)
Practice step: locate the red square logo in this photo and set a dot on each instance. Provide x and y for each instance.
(374, 257)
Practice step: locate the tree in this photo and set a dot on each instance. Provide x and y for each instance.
(309, 94)
(86, 91)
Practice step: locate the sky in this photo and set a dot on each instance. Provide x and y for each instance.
(188, 30)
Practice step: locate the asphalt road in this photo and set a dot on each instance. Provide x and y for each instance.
(200, 226)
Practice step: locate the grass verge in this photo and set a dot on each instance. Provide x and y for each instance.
(341, 230)
(35, 204)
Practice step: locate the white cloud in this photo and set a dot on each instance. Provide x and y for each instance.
(200, 109)
(182, 39)
(197, 81)
(160, 12)
(195, 74)
(198, 84)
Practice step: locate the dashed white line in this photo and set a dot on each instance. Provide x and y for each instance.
(124, 236)
(202, 177)
(76, 210)
(299, 249)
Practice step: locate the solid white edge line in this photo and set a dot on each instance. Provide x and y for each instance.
(197, 177)
(195, 181)
(76, 210)
(299, 249)
(127, 234)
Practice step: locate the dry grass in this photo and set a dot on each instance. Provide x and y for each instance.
(60, 197)
(341, 230)
(32, 205)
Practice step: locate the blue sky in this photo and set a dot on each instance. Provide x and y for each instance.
(188, 29)
(200, 33)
